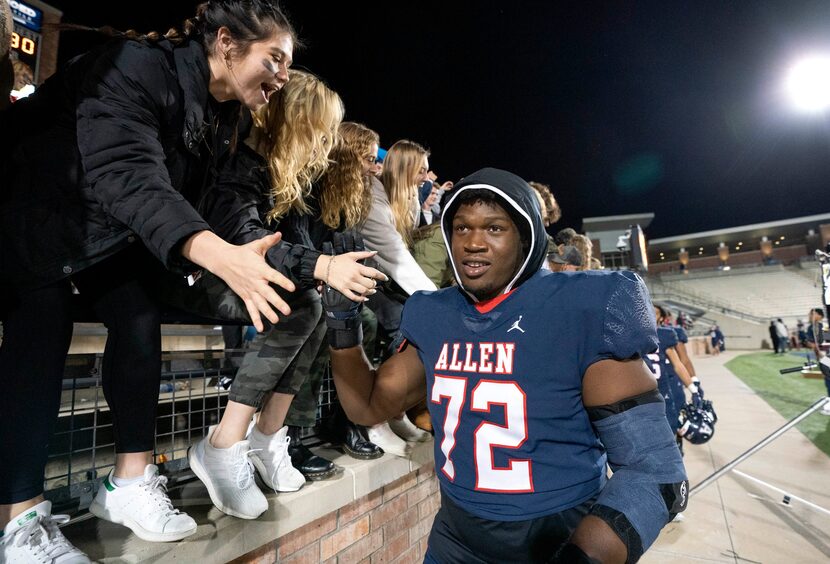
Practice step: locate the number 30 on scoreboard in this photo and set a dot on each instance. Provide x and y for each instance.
(23, 44)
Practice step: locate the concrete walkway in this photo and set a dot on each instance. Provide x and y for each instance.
(735, 520)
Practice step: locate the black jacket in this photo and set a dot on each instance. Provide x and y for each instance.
(115, 147)
(235, 208)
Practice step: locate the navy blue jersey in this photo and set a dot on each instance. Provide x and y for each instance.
(664, 372)
(667, 339)
(504, 386)
(678, 389)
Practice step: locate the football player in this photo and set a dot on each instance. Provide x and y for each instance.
(535, 381)
(682, 352)
(671, 373)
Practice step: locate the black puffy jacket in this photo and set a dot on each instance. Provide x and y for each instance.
(115, 147)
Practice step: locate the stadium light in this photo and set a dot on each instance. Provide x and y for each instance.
(808, 84)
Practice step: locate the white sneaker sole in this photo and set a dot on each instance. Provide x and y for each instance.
(203, 475)
(113, 517)
(263, 475)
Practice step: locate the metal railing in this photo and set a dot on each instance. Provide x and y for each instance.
(191, 399)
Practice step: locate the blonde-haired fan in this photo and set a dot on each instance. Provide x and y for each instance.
(270, 179)
(388, 230)
(345, 190)
(343, 197)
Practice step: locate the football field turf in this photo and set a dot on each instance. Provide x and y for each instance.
(789, 394)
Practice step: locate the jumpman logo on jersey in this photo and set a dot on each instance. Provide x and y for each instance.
(516, 325)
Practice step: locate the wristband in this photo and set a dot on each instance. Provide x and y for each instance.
(345, 338)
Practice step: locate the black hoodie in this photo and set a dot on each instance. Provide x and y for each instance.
(517, 198)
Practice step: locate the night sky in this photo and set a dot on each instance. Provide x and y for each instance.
(671, 107)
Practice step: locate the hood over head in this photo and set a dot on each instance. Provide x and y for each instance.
(519, 201)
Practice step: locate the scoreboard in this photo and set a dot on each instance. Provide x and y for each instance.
(35, 36)
(26, 37)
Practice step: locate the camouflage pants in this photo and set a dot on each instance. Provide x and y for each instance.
(273, 363)
(303, 410)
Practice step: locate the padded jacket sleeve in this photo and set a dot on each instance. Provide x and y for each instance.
(235, 207)
(119, 114)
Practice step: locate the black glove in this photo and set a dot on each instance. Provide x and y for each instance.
(346, 242)
(342, 314)
(350, 242)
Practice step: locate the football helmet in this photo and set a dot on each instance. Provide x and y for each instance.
(695, 425)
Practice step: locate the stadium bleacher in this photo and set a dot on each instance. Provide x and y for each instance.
(766, 292)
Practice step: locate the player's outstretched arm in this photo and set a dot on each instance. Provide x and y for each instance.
(371, 396)
(368, 396)
(649, 483)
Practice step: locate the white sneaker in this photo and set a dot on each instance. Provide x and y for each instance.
(678, 518)
(406, 430)
(272, 460)
(229, 477)
(34, 537)
(382, 435)
(144, 507)
(826, 409)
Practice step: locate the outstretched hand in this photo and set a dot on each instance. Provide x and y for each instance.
(342, 267)
(245, 271)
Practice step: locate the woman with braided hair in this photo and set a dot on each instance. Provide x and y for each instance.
(101, 189)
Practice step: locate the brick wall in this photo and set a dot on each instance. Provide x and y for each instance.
(388, 525)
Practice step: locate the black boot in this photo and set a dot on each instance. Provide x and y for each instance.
(356, 445)
(339, 431)
(311, 466)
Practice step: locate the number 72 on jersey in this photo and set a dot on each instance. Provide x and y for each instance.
(517, 477)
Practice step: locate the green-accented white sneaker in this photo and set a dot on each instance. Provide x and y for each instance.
(273, 462)
(33, 537)
(143, 507)
(228, 475)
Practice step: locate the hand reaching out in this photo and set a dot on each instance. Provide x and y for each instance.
(245, 270)
(345, 271)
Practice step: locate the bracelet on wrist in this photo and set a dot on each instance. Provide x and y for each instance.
(328, 268)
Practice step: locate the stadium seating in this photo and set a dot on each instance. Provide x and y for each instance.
(761, 292)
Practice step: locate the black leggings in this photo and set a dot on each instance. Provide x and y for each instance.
(37, 330)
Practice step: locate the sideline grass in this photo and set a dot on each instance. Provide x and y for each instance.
(788, 394)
